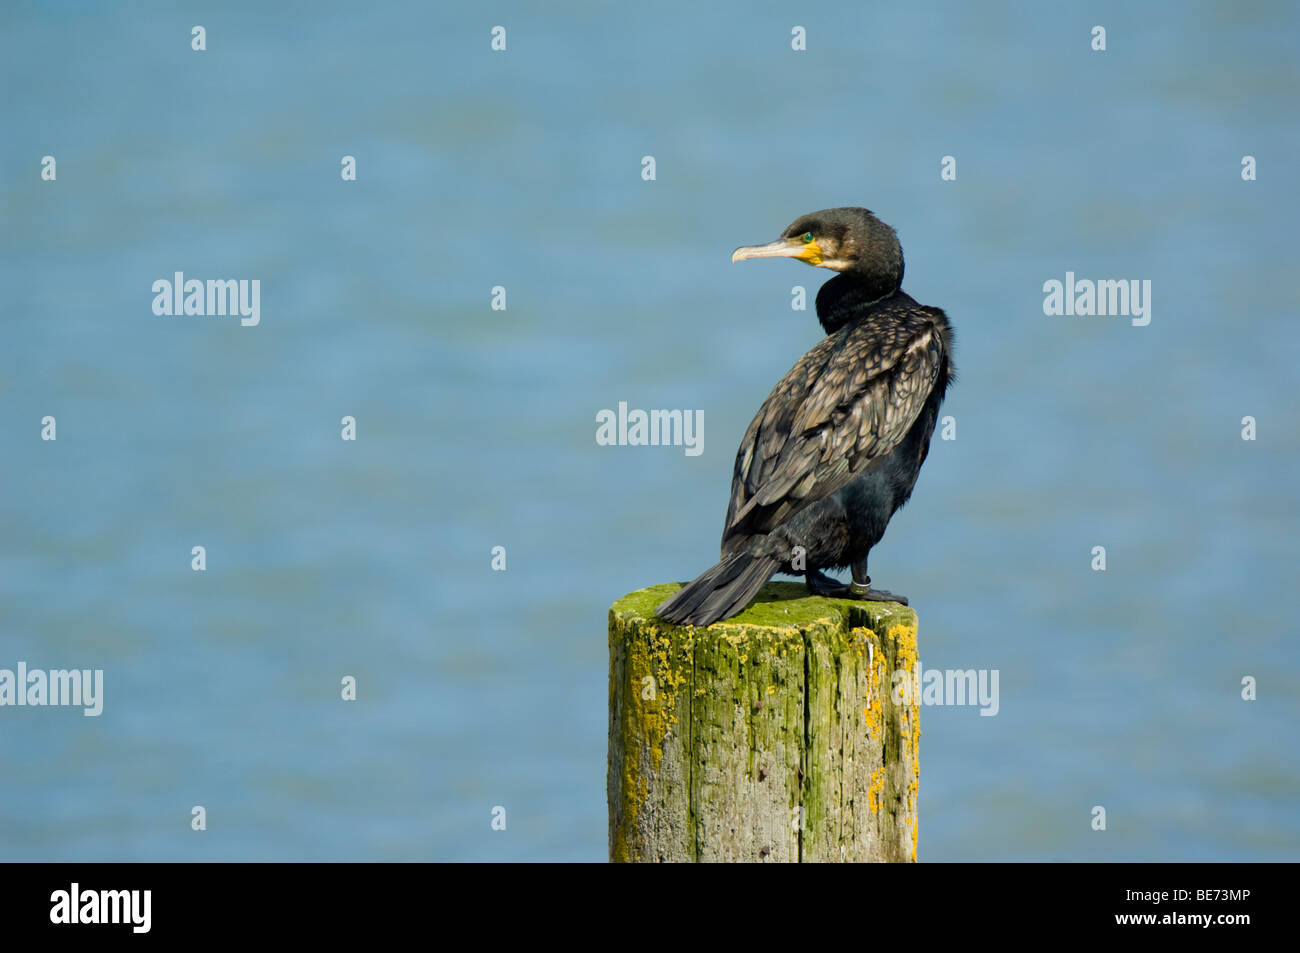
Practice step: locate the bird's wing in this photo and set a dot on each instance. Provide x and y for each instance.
(847, 402)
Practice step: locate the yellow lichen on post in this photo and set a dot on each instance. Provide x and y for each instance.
(905, 638)
(647, 681)
(770, 736)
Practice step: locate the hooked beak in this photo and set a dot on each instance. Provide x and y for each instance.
(808, 252)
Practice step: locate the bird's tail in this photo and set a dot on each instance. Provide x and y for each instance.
(720, 592)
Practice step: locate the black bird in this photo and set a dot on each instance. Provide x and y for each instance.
(836, 448)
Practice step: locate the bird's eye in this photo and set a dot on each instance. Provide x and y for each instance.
(807, 237)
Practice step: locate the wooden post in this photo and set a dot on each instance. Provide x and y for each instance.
(771, 736)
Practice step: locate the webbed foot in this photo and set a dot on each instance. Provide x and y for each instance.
(820, 584)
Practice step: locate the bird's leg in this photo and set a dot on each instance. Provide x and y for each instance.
(861, 586)
(820, 584)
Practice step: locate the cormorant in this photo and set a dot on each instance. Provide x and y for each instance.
(836, 448)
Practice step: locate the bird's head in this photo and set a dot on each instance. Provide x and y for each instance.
(849, 240)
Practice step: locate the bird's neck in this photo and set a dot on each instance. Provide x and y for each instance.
(847, 297)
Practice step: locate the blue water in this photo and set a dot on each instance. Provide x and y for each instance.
(372, 558)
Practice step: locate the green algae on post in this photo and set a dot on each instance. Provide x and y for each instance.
(769, 736)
